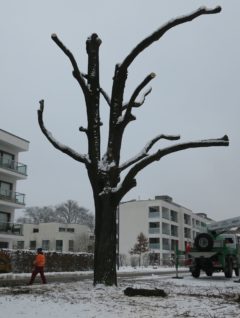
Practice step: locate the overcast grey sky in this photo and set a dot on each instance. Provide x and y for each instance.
(196, 94)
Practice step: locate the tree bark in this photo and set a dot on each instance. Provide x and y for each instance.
(105, 241)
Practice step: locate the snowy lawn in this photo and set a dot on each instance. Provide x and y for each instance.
(188, 297)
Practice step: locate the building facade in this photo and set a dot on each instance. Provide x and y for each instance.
(59, 237)
(11, 171)
(167, 226)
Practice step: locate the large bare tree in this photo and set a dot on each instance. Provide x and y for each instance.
(105, 169)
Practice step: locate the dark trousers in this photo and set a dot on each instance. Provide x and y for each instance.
(37, 270)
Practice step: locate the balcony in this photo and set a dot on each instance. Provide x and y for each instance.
(154, 214)
(154, 230)
(154, 246)
(13, 166)
(11, 228)
(12, 197)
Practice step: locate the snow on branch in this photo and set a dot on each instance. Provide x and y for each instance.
(76, 73)
(129, 179)
(145, 150)
(135, 94)
(155, 36)
(65, 149)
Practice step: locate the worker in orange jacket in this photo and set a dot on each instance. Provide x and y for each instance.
(39, 264)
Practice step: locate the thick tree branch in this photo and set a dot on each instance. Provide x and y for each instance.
(120, 77)
(161, 31)
(145, 150)
(65, 149)
(135, 95)
(76, 73)
(124, 187)
(93, 113)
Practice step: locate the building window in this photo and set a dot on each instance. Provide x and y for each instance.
(154, 243)
(3, 244)
(62, 229)
(20, 245)
(59, 245)
(154, 228)
(165, 213)
(203, 224)
(45, 245)
(153, 212)
(174, 216)
(35, 230)
(165, 228)
(5, 189)
(71, 230)
(70, 245)
(165, 244)
(187, 232)
(32, 245)
(174, 230)
(6, 160)
(174, 245)
(187, 219)
(4, 219)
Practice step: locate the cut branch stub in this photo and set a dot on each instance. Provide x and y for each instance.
(76, 72)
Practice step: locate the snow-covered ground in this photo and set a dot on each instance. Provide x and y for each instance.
(188, 297)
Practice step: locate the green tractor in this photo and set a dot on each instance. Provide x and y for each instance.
(216, 250)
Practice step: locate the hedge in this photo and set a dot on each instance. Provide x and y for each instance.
(22, 261)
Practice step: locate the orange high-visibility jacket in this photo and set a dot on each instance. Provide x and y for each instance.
(39, 260)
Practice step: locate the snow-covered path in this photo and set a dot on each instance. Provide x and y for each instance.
(188, 297)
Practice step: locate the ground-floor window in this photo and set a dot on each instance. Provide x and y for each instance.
(33, 245)
(70, 245)
(45, 245)
(59, 245)
(154, 258)
(4, 221)
(20, 245)
(4, 244)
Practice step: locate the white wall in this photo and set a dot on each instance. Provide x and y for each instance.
(50, 231)
(133, 219)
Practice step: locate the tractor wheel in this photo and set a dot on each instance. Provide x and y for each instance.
(236, 270)
(196, 272)
(209, 272)
(228, 268)
(204, 242)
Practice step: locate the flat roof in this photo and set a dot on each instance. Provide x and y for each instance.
(14, 135)
(13, 141)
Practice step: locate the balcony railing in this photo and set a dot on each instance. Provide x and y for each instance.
(11, 228)
(166, 230)
(154, 230)
(15, 197)
(166, 247)
(154, 214)
(154, 246)
(13, 165)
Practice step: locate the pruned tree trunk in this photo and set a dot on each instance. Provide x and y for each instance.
(105, 246)
(105, 169)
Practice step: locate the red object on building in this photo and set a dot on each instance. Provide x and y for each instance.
(188, 248)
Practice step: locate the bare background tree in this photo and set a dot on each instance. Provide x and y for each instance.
(67, 212)
(85, 243)
(105, 169)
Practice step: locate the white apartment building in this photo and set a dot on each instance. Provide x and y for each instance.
(10, 172)
(59, 237)
(165, 223)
